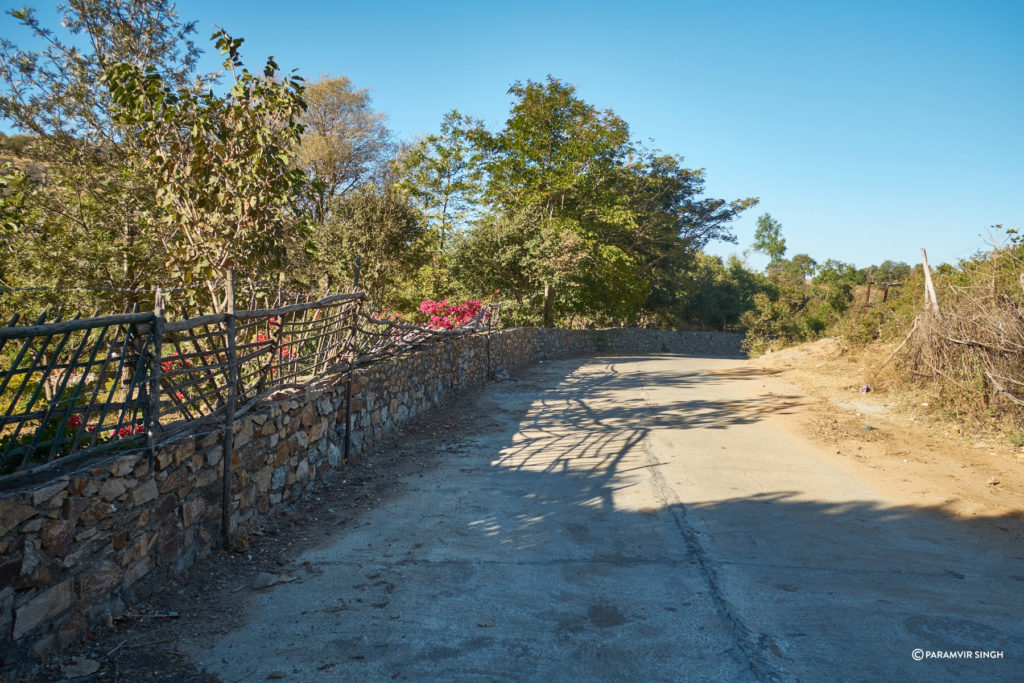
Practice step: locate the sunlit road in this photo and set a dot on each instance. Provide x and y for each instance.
(641, 519)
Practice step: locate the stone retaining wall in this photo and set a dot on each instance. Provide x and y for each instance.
(82, 547)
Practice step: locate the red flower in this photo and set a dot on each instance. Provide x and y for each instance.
(74, 422)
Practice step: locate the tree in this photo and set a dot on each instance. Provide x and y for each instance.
(768, 238)
(376, 222)
(835, 281)
(344, 141)
(226, 188)
(580, 220)
(551, 163)
(443, 175)
(672, 222)
(890, 271)
(83, 202)
(797, 269)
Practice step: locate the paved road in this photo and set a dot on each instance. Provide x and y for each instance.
(638, 518)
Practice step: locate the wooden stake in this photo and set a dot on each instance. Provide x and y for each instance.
(931, 301)
(229, 415)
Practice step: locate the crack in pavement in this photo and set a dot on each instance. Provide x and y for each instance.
(750, 646)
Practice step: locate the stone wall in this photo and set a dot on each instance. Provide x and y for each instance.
(85, 545)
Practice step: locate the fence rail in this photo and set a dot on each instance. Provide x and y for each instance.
(73, 390)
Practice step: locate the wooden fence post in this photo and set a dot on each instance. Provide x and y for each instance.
(155, 368)
(229, 415)
(931, 301)
(352, 358)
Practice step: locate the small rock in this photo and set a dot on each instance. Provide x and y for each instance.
(80, 667)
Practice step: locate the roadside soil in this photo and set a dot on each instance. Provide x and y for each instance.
(893, 439)
(916, 457)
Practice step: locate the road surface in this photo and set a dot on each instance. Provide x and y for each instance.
(637, 518)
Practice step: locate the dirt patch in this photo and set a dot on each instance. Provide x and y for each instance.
(896, 440)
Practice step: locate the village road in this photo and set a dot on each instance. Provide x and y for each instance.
(638, 518)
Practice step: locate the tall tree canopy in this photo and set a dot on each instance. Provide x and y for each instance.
(344, 141)
(579, 219)
(85, 203)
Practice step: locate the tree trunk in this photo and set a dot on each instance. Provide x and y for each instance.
(549, 305)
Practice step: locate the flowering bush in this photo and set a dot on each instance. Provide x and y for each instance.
(445, 315)
(36, 444)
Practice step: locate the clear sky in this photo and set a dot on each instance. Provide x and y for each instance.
(868, 129)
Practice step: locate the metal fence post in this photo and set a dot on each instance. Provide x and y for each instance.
(229, 415)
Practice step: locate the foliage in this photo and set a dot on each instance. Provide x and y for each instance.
(226, 188)
(376, 223)
(580, 222)
(344, 141)
(768, 238)
(796, 308)
(83, 199)
(889, 271)
(970, 355)
(443, 176)
(721, 292)
(446, 315)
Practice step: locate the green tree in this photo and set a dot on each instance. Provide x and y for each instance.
(797, 269)
(768, 239)
(226, 187)
(84, 202)
(551, 163)
(671, 223)
(443, 176)
(889, 271)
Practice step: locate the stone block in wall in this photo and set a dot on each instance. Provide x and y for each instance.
(99, 582)
(333, 454)
(45, 495)
(46, 605)
(124, 465)
(13, 513)
(192, 511)
(138, 570)
(56, 537)
(185, 450)
(6, 613)
(263, 477)
(244, 431)
(113, 488)
(206, 477)
(145, 492)
(176, 482)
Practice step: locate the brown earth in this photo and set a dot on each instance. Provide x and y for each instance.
(894, 438)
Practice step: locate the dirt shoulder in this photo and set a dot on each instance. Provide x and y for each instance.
(896, 440)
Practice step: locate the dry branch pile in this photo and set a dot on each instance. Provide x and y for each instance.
(972, 346)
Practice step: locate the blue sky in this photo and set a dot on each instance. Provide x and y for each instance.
(867, 129)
